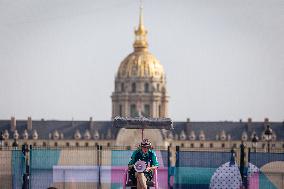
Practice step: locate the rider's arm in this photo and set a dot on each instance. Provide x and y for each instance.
(155, 162)
(132, 160)
(152, 168)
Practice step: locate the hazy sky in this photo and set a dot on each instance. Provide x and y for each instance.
(224, 59)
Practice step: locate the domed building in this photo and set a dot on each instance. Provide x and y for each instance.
(140, 83)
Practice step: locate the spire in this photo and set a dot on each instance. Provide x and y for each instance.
(140, 43)
(141, 23)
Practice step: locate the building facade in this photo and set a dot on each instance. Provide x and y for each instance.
(209, 135)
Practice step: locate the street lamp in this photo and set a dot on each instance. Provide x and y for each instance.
(268, 136)
(254, 141)
(15, 143)
(1, 139)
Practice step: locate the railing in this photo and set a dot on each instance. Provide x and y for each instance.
(194, 168)
(103, 167)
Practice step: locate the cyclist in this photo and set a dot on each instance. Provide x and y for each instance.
(144, 153)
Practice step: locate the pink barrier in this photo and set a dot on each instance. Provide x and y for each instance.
(254, 181)
(118, 176)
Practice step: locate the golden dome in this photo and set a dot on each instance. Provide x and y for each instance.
(140, 63)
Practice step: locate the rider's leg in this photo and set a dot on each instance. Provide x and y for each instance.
(141, 181)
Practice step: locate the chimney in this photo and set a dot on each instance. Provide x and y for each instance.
(187, 119)
(188, 127)
(30, 124)
(92, 124)
(248, 125)
(249, 120)
(13, 123)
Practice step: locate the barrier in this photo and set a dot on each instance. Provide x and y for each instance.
(103, 167)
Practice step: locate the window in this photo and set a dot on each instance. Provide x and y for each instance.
(34, 144)
(133, 87)
(146, 110)
(133, 112)
(86, 144)
(108, 144)
(160, 111)
(67, 144)
(182, 145)
(55, 144)
(77, 144)
(201, 145)
(235, 145)
(263, 145)
(192, 145)
(44, 144)
(146, 87)
(223, 145)
(122, 87)
(120, 110)
(211, 145)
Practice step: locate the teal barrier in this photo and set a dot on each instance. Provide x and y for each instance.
(18, 167)
(42, 162)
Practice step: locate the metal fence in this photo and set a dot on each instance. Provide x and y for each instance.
(102, 167)
(64, 167)
(70, 167)
(12, 167)
(226, 168)
(194, 168)
(271, 169)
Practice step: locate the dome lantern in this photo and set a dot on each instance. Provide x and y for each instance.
(140, 43)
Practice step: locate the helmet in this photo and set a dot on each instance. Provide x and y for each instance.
(146, 143)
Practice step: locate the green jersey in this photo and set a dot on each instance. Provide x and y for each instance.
(150, 157)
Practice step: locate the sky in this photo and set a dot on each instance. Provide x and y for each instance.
(224, 59)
